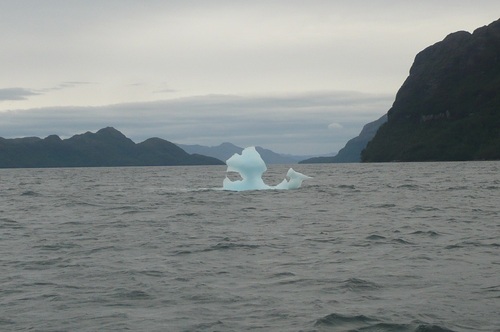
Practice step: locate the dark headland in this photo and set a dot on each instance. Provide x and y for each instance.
(448, 109)
(106, 147)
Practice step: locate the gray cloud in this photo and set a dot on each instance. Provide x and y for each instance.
(16, 93)
(165, 91)
(288, 123)
(61, 86)
(221, 46)
(24, 93)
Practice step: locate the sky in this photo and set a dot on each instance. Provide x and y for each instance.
(297, 77)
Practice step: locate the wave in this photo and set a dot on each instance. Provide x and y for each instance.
(355, 284)
(383, 240)
(375, 237)
(169, 191)
(57, 246)
(7, 223)
(419, 208)
(231, 245)
(361, 323)
(491, 187)
(126, 294)
(402, 241)
(30, 193)
(220, 246)
(347, 186)
(492, 291)
(457, 188)
(409, 186)
(347, 322)
(41, 264)
(467, 244)
(427, 233)
(6, 321)
(212, 326)
(285, 274)
(383, 206)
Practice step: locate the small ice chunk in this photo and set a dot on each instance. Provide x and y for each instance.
(295, 180)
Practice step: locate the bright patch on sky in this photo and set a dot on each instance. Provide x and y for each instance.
(250, 166)
(335, 125)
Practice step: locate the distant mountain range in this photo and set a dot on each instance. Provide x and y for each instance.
(351, 152)
(449, 106)
(225, 150)
(109, 147)
(106, 147)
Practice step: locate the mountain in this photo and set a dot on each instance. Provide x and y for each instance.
(225, 150)
(351, 152)
(221, 152)
(106, 147)
(271, 157)
(449, 106)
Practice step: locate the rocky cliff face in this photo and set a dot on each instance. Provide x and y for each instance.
(449, 106)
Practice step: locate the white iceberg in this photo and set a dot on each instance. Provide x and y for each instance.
(250, 166)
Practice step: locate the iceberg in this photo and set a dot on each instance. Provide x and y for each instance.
(250, 166)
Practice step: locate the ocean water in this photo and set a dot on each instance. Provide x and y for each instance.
(360, 247)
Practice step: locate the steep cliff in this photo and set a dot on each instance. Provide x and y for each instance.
(449, 106)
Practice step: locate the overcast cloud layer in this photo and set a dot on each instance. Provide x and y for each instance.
(298, 124)
(268, 72)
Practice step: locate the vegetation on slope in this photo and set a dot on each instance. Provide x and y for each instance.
(449, 106)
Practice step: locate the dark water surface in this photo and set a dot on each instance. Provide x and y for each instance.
(360, 247)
